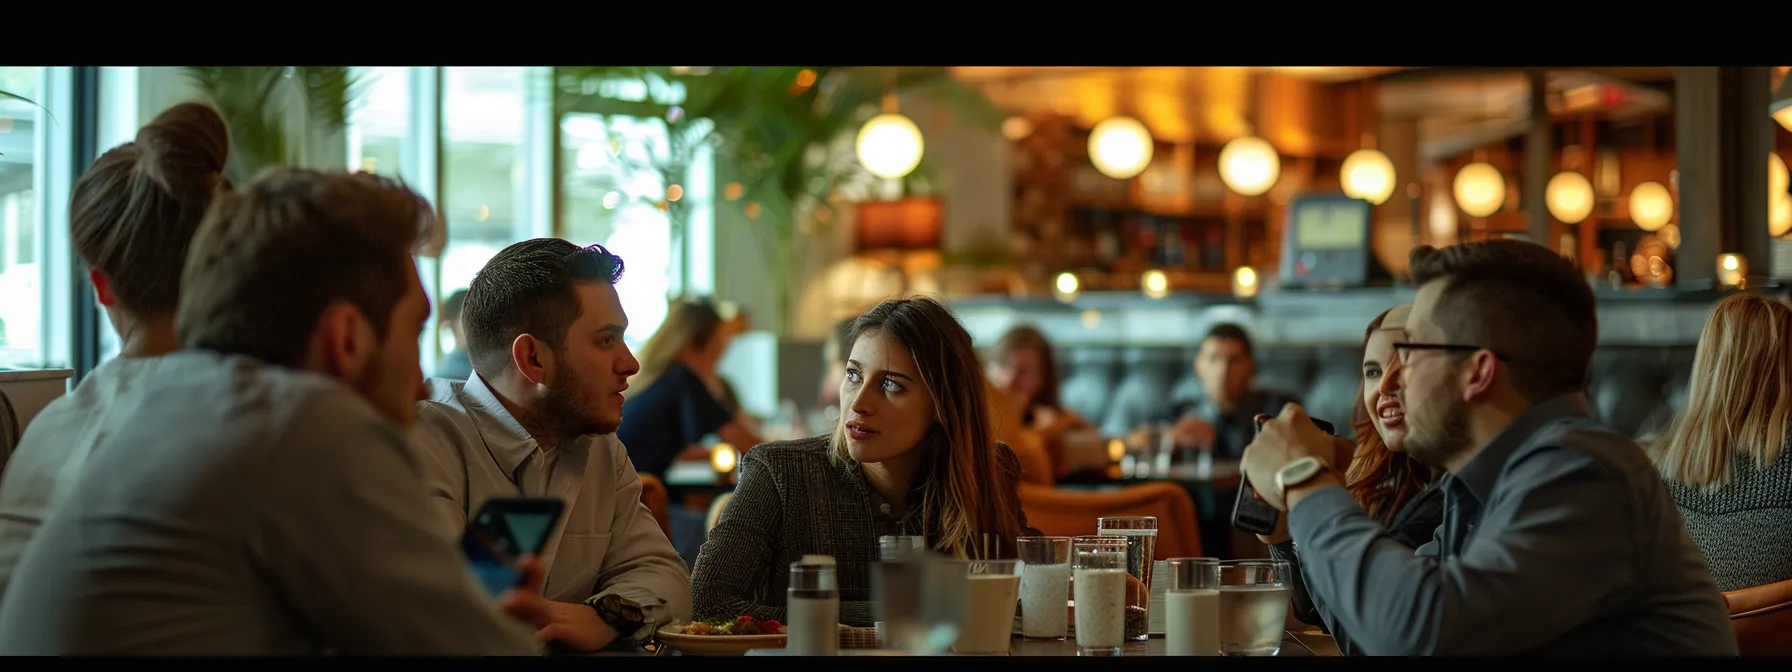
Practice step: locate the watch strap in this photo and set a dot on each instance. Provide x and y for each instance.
(1282, 486)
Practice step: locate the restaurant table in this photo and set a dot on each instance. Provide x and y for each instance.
(693, 478)
(1303, 644)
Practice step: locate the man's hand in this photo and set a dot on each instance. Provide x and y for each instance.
(1192, 431)
(524, 602)
(1279, 535)
(577, 626)
(1284, 439)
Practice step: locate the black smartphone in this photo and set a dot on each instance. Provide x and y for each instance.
(504, 530)
(1255, 515)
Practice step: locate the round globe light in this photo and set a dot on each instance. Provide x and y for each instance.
(1480, 189)
(1369, 175)
(1249, 165)
(889, 146)
(1569, 196)
(1120, 147)
(1651, 206)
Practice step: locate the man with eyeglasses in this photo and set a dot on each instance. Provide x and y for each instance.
(1558, 535)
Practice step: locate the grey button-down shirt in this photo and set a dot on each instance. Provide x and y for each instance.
(1558, 539)
(469, 449)
(238, 509)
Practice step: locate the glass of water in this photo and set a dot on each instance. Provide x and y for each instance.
(1099, 576)
(1044, 587)
(1253, 606)
(1140, 533)
(894, 599)
(1192, 607)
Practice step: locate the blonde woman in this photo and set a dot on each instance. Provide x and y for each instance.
(1723, 457)
(679, 395)
(914, 454)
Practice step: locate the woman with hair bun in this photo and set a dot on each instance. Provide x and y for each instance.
(131, 218)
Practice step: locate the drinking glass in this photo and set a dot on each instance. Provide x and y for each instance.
(895, 602)
(1044, 587)
(1253, 606)
(989, 618)
(1141, 549)
(941, 588)
(1100, 578)
(1192, 607)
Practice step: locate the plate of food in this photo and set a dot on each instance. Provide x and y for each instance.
(723, 638)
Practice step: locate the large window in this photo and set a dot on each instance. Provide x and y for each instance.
(616, 191)
(22, 293)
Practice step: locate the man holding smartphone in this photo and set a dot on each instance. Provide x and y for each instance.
(257, 498)
(537, 419)
(1559, 537)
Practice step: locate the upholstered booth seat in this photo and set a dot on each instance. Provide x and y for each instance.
(1635, 389)
(1762, 617)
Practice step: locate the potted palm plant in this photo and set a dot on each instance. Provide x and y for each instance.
(275, 112)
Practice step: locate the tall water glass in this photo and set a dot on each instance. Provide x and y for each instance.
(1044, 587)
(1253, 606)
(943, 607)
(1192, 607)
(1141, 549)
(989, 618)
(1099, 576)
(894, 599)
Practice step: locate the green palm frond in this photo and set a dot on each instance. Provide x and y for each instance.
(255, 101)
(6, 95)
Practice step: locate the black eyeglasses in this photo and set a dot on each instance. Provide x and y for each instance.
(1404, 350)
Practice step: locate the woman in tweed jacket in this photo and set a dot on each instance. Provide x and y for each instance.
(914, 453)
(1724, 458)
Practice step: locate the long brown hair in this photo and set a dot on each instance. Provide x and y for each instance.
(967, 493)
(1739, 399)
(1028, 337)
(1373, 464)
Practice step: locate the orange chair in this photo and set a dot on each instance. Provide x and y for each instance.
(654, 495)
(1071, 513)
(1035, 461)
(1762, 617)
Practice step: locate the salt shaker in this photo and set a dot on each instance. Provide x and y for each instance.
(813, 606)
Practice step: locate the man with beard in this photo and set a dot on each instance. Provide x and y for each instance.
(256, 496)
(538, 418)
(1558, 535)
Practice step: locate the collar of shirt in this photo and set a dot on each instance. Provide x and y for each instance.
(1478, 477)
(508, 442)
(882, 509)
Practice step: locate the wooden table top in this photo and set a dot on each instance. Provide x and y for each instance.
(1294, 644)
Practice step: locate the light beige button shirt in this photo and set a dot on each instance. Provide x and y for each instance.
(469, 449)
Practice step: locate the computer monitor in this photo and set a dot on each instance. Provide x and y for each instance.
(1326, 242)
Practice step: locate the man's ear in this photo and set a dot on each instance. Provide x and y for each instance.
(343, 343)
(102, 288)
(532, 358)
(1483, 368)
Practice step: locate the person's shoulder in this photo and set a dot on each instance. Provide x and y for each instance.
(443, 406)
(1589, 448)
(793, 452)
